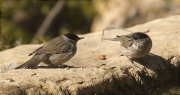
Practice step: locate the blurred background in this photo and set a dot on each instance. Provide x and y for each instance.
(25, 22)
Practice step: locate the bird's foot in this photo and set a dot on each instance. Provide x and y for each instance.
(121, 55)
(137, 67)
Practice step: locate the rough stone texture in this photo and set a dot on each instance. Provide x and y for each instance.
(116, 76)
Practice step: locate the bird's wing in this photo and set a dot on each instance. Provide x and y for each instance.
(126, 40)
(33, 62)
(54, 46)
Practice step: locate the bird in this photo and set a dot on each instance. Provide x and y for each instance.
(54, 52)
(134, 45)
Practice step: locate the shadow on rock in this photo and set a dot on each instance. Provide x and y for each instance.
(163, 70)
(159, 65)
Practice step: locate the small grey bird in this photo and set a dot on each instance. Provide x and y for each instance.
(134, 45)
(54, 52)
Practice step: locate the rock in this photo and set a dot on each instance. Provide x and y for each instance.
(114, 75)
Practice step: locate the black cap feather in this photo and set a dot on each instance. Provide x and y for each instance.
(72, 36)
(139, 36)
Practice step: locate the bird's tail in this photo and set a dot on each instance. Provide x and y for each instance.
(32, 63)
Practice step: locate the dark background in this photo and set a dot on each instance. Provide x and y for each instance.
(21, 20)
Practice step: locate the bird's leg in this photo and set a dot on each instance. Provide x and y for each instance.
(133, 63)
(121, 55)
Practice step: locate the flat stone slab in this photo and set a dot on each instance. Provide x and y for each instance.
(89, 75)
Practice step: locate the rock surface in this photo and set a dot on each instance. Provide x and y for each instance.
(114, 75)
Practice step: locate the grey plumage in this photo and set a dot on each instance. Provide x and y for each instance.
(54, 52)
(134, 45)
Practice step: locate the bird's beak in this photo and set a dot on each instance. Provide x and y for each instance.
(81, 38)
